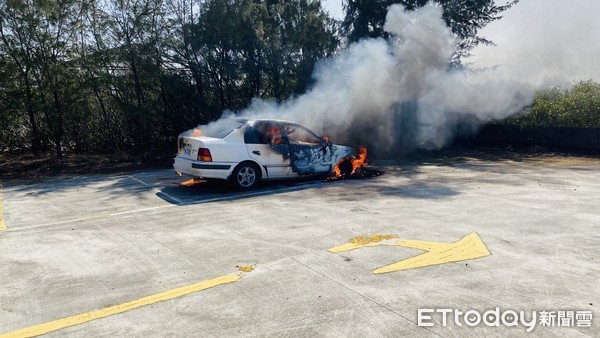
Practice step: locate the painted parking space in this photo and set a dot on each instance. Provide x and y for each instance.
(122, 195)
(451, 214)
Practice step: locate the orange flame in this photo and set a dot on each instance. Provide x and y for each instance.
(196, 132)
(190, 183)
(357, 162)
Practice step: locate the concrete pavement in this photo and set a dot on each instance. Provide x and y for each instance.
(73, 246)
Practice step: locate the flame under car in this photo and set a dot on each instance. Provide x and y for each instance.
(245, 152)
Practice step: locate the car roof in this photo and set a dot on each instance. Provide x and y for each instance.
(268, 120)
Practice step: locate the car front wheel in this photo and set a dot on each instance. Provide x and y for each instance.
(246, 176)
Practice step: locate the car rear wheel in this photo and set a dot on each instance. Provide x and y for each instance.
(246, 176)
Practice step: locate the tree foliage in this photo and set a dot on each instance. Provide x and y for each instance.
(366, 18)
(108, 75)
(112, 75)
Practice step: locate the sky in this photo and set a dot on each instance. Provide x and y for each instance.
(334, 7)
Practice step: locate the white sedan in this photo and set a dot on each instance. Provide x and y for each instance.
(244, 152)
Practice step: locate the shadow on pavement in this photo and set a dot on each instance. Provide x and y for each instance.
(352, 189)
(214, 191)
(420, 190)
(165, 185)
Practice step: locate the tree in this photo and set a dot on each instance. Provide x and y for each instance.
(258, 48)
(17, 32)
(191, 66)
(296, 35)
(366, 18)
(12, 121)
(38, 36)
(113, 75)
(131, 42)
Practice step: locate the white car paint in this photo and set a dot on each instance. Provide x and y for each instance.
(289, 159)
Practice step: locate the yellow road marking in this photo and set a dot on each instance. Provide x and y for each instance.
(423, 245)
(469, 247)
(109, 311)
(246, 268)
(361, 242)
(2, 222)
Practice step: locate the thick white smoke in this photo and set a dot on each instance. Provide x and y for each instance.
(546, 42)
(397, 94)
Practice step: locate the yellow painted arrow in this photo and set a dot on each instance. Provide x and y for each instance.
(469, 247)
(361, 242)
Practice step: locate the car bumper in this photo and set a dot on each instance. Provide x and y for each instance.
(215, 170)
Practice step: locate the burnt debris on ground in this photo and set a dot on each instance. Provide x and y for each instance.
(347, 171)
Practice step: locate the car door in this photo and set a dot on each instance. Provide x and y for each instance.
(309, 153)
(268, 146)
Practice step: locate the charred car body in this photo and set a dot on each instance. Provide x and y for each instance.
(244, 152)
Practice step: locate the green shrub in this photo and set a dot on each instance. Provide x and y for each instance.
(578, 106)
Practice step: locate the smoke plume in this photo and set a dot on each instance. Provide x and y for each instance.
(398, 94)
(546, 42)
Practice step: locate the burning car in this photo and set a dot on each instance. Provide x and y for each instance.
(244, 152)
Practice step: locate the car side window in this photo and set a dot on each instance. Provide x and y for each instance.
(251, 136)
(300, 135)
(269, 133)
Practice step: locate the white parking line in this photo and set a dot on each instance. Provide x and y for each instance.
(138, 180)
(141, 210)
(156, 190)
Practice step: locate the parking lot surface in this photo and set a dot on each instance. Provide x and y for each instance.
(140, 255)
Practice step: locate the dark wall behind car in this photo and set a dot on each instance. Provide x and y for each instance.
(552, 137)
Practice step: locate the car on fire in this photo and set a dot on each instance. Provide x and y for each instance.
(246, 152)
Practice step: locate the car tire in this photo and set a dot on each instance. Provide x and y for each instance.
(246, 176)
